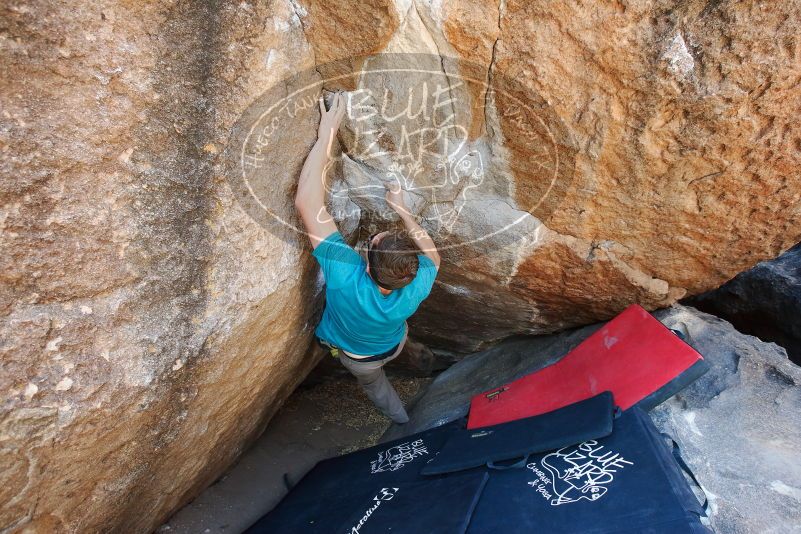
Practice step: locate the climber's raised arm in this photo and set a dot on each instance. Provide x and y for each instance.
(421, 238)
(310, 197)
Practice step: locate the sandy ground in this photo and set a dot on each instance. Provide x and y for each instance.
(318, 421)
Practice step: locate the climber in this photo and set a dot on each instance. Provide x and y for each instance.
(367, 300)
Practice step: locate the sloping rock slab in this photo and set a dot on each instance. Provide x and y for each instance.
(764, 301)
(740, 428)
(739, 425)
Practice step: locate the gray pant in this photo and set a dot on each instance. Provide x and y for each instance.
(374, 382)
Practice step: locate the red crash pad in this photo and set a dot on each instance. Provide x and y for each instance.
(634, 356)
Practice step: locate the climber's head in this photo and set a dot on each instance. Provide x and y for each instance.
(392, 259)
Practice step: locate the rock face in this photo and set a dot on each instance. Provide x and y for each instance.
(656, 160)
(149, 325)
(152, 321)
(739, 429)
(764, 301)
(738, 425)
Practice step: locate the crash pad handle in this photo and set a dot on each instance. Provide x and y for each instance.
(517, 465)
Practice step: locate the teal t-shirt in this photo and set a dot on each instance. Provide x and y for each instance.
(357, 317)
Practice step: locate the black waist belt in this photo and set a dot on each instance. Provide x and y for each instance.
(374, 358)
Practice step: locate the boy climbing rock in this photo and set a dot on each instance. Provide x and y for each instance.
(367, 301)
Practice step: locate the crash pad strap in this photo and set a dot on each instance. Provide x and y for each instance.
(686, 468)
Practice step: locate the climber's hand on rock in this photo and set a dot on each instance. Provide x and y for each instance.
(394, 198)
(420, 237)
(331, 119)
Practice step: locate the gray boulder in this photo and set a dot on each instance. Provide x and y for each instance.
(739, 425)
(764, 301)
(740, 428)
